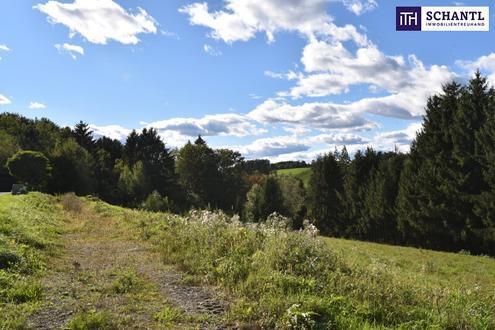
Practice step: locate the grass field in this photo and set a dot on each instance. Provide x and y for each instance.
(270, 276)
(303, 173)
(451, 270)
(30, 228)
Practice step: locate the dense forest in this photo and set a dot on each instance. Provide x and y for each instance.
(441, 195)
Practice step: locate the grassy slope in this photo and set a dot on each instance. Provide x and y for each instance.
(436, 268)
(29, 235)
(303, 173)
(275, 278)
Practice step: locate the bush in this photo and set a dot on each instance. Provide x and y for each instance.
(30, 167)
(70, 202)
(156, 203)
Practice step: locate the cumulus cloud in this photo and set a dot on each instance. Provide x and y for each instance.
(72, 50)
(115, 132)
(339, 139)
(400, 139)
(36, 105)
(4, 100)
(274, 146)
(241, 20)
(4, 48)
(315, 115)
(332, 69)
(210, 50)
(485, 63)
(99, 20)
(210, 125)
(359, 7)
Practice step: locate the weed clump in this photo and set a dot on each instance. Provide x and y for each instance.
(8, 259)
(92, 320)
(71, 203)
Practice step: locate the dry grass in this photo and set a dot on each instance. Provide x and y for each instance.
(71, 203)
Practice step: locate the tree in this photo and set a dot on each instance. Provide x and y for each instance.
(272, 200)
(8, 147)
(198, 168)
(443, 180)
(83, 135)
(252, 208)
(379, 218)
(72, 169)
(30, 167)
(294, 198)
(325, 185)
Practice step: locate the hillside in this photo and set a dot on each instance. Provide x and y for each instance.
(76, 263)
(303, 173)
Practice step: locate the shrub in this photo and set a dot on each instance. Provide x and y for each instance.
(70, 202)
(156, 203)
(30, 167)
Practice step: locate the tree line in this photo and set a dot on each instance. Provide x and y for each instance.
(441, 195)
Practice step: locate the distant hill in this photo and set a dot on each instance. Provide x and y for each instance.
(303, 173)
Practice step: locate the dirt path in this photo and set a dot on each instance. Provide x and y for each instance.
(105, 276)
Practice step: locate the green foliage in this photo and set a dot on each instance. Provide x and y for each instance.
(211, 177)
(8, 147)
(156, 203)
(169, 315)
(29, 226)
(127, 282)
(265, 199)
(282, 279)
(92, 320)
(302, 173)
(325, 186)
(72, 169)
(445, 192)
(30, 167)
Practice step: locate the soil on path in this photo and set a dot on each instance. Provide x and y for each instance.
(102, 269)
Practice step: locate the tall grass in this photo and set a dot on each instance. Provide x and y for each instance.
(283, 279)
(29, 228)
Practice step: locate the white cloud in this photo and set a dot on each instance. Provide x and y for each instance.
(99, 20)
(169, 34)
(359, 7)
(485, 63)
(241, 20)
(210, 125)
(211, 50)
(274, 146)
(72, 50)
(4, 48)
(401, 139)
(36, 105)
(339, 139)
(115, 132)
(314, 115)
(4, 100)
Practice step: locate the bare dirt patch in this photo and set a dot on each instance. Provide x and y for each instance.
(102, 269)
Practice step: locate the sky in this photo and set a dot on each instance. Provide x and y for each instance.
(276, 79)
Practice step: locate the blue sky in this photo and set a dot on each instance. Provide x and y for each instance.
(279, 79)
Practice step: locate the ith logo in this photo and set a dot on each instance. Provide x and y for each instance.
(408, 19)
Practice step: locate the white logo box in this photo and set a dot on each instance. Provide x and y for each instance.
(455, 18)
